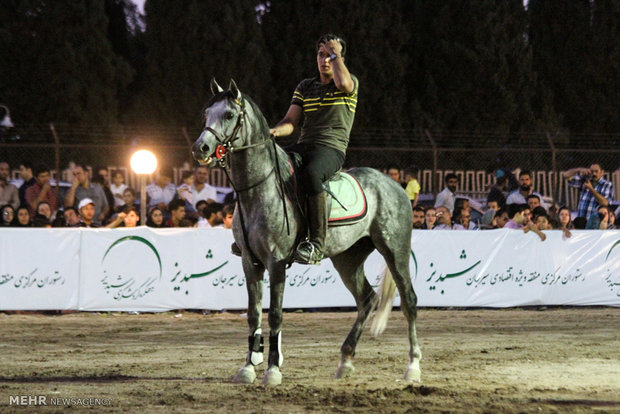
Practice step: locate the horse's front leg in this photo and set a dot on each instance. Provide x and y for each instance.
(277, 277)
(254, 283)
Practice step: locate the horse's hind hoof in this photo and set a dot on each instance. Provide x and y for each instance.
(246, 375)
(345, 369)
(272, 377)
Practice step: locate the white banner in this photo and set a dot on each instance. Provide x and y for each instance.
(147, 269)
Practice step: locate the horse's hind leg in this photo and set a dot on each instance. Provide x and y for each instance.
(397, 260)
(350, 266)
(254, 283)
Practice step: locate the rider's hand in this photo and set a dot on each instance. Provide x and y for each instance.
(333, 46)
(273, 132)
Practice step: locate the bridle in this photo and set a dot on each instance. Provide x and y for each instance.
(226, 147)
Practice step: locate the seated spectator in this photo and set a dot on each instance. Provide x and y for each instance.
(8, 192)
(83, 188)
(200, 206)
(117, 187)
(184, 191)
(213, 216)
(564, 221)
(177, 213)
(517, 217)
(188, 221)
(41, 221)
(540, 212)
(129, 217)
(86, 208)
(129, 198)
(201, 190)
(533, 200)
(462, 216)
(497, 192)
(580, 223)
(393, 171)
(155, 218)
(59, 219)
(413, 187)
(228, 212)
(501, 218)
(100, 180)
(603, 220)
(22, 217)
(418, 217)
(41, 190)
(493, 205)
(488, 220)
(161, 191)
(44, 209)
(444, 220)
(430, 217)
(72, 218)
(7, 215)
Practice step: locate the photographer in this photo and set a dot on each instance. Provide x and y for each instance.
(595, 190)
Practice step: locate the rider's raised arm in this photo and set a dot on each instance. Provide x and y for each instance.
(288, 124)
(340, 73)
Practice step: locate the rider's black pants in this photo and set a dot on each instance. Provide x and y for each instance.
(319, 163)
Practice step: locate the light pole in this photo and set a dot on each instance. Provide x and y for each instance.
(143, 163)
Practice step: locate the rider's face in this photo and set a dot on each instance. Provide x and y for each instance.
(323, 63)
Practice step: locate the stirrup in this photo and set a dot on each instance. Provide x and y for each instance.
(234, 249)
(308, 253)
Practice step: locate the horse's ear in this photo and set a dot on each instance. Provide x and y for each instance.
(215, 88)
(232, 87)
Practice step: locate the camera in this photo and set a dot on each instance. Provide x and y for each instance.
(587, 177)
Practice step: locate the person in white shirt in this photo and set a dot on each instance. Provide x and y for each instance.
(161, 192)
(117, 187)
(447, 197)
(201, 190)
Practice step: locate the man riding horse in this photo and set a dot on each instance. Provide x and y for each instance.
(327, 105)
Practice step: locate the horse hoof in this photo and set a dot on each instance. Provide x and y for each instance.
(272, 377)
(413, 373)
(345, 369)
(246, 375)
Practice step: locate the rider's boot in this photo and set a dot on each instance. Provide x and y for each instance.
(311, 251)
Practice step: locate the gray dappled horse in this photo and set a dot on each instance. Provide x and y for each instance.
(268, 224)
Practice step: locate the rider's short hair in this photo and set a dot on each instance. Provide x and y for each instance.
(330, 36)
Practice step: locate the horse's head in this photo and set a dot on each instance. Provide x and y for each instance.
(225, 118)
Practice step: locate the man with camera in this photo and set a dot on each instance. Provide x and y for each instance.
(595, 190)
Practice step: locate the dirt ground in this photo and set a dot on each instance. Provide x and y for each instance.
(474, 361)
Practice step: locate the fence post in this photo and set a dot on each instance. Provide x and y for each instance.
(189, 144)
(554, 166)
(435, 162)
(56, 158)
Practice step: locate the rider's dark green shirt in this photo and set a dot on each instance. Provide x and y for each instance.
(328, 112)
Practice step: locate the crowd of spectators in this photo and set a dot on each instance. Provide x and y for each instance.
(101, 198)
(512, 203)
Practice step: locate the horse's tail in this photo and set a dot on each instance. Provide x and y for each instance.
(387, 292)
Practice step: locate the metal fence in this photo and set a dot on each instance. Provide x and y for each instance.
(473, 157)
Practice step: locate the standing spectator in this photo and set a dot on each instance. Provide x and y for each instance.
(82, 188)
(201, 190)
(129, 199)
(72, 217)
(444, 220)
(393, 171)
(117, 187)
(447, 196)
(155, 218)
(228, 212)
(22, 217)
(161, 192)
(430, 217)
(595, 190)
(418, 217)
(7, 215)
(526, 188)
(104, 174)
(87, 209)
(25, 172)
(8, 192)
(177, 213)
(497, 192)
(41, 190)
(413, 187)
(213, 216)
(100, 180)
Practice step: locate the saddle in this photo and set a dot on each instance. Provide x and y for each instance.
(346, 201)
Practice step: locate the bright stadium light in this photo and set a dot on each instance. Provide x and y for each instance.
(143, 163)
